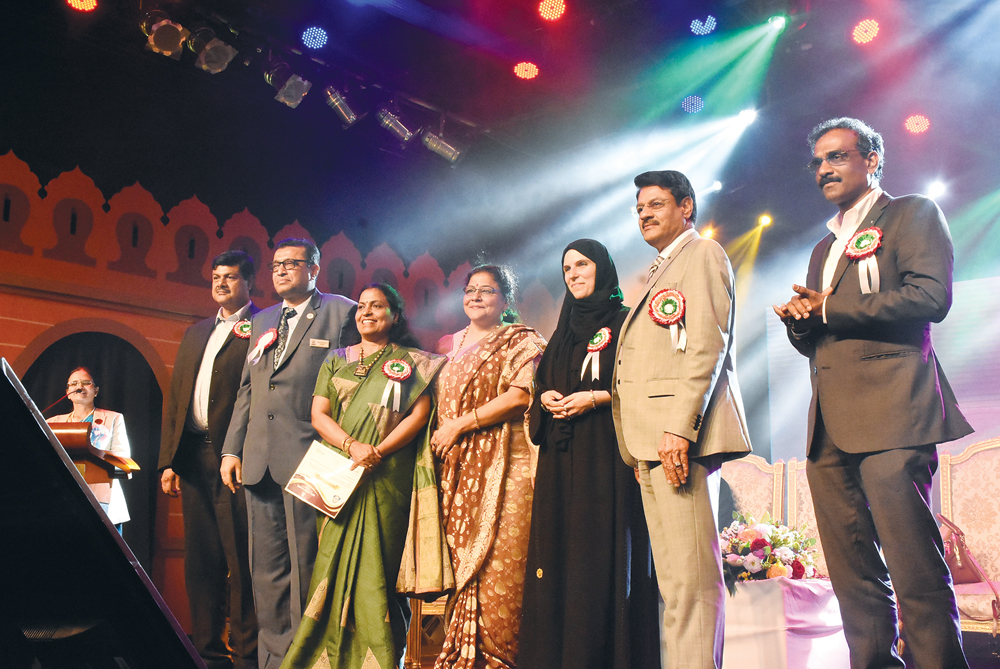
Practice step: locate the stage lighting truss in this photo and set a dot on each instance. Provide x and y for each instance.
(390, 120)
(163, 35)
(338, 103)
(214, 55)
(291, 87)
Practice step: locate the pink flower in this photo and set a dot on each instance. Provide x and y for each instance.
(748, 535)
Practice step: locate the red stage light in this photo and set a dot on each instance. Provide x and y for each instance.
(865, 31)
(526, 70)
(550, 10)
(917, 124)
(82, 5)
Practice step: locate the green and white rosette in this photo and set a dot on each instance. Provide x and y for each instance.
(667, 309)
(597, 343)
(862, 248)
(395, 371)
(242, 329)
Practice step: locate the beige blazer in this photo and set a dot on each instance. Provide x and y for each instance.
(692, 393)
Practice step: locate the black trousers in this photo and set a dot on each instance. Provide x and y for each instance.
(867, 502)
(216, 558)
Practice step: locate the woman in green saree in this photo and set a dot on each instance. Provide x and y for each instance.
(370, 402)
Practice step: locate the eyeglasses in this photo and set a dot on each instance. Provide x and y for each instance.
(834, 159)
(655, 205)
(485, 291)
(74, 384)
(289, 264)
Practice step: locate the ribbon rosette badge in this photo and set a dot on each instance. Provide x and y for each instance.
(264, 342)
(667, 307)
(599, 341)
(397, 370)
(242, 329)
(864, 244)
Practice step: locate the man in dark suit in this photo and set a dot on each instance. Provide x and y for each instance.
(270, 433)
(203, 390)
(678, 412)
(880, 401)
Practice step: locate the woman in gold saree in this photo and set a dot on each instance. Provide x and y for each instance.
(370, 402)
(484, 471)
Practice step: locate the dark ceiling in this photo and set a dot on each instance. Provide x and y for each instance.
(81, 90)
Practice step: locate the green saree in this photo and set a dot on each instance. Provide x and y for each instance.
(355, 618)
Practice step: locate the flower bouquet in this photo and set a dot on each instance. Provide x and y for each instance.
(754, 551)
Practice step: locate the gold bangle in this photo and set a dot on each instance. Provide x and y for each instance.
(346, 447)
(475, 417)
(592, 400)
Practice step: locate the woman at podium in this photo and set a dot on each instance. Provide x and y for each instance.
(106, 433)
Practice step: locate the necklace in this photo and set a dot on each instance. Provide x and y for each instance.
(72, 415)
(465, 333)
(362, 369)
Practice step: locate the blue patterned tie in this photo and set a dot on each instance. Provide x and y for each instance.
(282, 334)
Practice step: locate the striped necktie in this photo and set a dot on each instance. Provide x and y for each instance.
(655, 266)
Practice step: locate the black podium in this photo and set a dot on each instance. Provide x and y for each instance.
(72, 595)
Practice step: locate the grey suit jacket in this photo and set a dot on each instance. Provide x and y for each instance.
(692, 393)
(271, 427)
(873, 369)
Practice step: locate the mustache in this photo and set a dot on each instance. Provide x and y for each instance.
(827, 180)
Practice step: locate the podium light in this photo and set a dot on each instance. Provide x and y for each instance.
(437, 144)
(163, 35)
(291, 87)
(335, 100)
(214, 55)
(391, 122)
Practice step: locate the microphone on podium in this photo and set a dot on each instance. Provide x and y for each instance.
(72, 392)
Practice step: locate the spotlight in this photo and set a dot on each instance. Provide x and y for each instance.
(936, 189)
(764, 220)
(865, 31)
(438, 145)
(164, 36)
(82, 5)
(692, 104)
(715, 187)
(214, 55)
(290, 86)
(391, 122)
(747, 117)
(526, 70)
(777, 23)
(335, 100)
(707, 233)
(917, 123)
(314, 38)
(550, 10)
(699, 27)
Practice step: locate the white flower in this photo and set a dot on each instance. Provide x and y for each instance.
(752, 563)
(785, 554)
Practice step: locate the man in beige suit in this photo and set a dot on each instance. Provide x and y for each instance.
(678, 412)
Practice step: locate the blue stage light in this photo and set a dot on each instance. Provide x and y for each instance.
(692, 104)
(314, 38)
(699, 27)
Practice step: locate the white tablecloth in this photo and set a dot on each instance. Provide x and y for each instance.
(784, 623)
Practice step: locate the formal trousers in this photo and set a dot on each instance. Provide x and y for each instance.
(684, 536)
(216, 559)
(283, 547)
(875, 522)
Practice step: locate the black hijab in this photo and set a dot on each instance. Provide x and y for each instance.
(579, 320)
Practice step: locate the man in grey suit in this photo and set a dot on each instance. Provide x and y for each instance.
(880, 401)
(678, 412)
(203, 390)
(270, 432)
